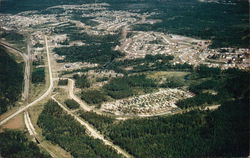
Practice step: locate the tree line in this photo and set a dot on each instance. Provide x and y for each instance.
(14, 144)
(220, 133)
(62, 129)
(11, 80)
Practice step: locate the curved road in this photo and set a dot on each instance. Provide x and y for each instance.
(86, 107)
(22, 109)
(73, 96)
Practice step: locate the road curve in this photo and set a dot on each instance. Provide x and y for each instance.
(41, 97)
(93, 132)
(73, 96)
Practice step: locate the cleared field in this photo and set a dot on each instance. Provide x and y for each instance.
(166, 74)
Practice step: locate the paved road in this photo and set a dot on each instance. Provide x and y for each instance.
(22, 109)
(93, 132)
(28, 123)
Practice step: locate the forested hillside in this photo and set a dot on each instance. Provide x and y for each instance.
(11, 80)
(220, 133)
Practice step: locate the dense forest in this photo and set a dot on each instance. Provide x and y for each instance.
(129, 85)
(216, 87)
(149, 63)
(220, 133)
(12, 36)
(11, 80)
(99, 121)
(98, 49)
(72, 104)
(62, 129)
(93, 96)
(82, 81)
(14, 144)
(118, 88)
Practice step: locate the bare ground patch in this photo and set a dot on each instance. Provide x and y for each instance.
(15, 123)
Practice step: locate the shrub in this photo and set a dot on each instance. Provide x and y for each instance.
(63, 82)
(72, 104)
(38, 75)
(82, 81)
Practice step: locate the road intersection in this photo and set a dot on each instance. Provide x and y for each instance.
(49, 90)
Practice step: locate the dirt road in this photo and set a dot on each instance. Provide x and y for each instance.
(26, 59)
(43, 144)
(84, 105)
(93, 132)
(27, 74)
(28, 124)
(73, 96)
(60, 153)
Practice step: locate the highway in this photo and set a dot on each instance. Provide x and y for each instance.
(27, 121)
(22, 109)
(93, 132)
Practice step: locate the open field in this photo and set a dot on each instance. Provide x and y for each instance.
(164, 75)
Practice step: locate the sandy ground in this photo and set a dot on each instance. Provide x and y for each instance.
(15, 123)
